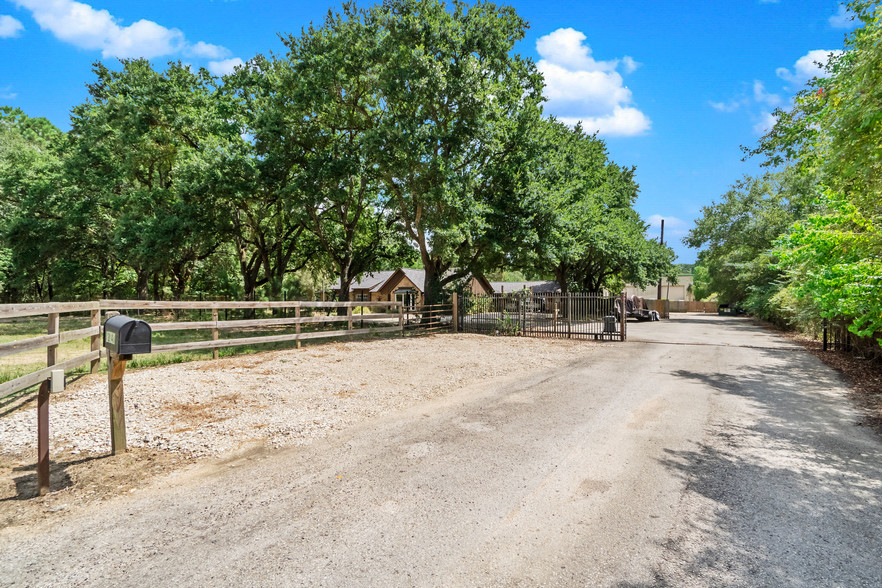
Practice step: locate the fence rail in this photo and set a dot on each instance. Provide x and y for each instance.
(429, 318)
(390, 322)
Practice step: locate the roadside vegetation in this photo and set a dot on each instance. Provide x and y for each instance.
(802, 245)
(404, 134)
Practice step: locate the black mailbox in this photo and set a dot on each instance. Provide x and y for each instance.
(124, 335)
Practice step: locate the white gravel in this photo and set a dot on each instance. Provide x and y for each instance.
(281, 397)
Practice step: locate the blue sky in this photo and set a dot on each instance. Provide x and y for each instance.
(675, 88)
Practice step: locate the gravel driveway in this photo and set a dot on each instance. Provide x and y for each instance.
(706, 452)
(284, 397)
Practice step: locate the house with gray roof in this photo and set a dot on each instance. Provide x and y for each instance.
(405, 284)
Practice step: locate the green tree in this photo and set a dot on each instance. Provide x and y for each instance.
(459, 107)
(322, 119)
(134, 147)
(832, 135)
(584, 228)
(738, 233)
(33, 237)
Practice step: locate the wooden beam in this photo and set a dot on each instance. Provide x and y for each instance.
(43, 438)
(95, 342)
(455, 312)
(162, 305)
(52, 324)
(31, 379)
(215, 353)
(36, 309)
(66, 336)
(268, 339)
(297, 328)
(116, 369)
(14, 347)
(156, 327)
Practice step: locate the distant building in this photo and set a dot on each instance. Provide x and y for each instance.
(536, 287)
(682, 290)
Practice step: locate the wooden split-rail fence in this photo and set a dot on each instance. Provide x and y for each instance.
(396, 319)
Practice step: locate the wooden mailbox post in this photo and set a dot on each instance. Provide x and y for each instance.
(123, 336)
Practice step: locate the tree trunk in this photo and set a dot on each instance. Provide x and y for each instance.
(432, 292)
(141, 287)
(346, 278)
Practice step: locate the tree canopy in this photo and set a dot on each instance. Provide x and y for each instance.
(806, 241)
(406, 132)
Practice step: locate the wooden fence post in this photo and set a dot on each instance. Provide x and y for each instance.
(116, 369)
(52, 329)
(401, 316)
(455, 313)
(95, 342)
(349, 319)
(43, 438)
(297, 326)
(214, 334)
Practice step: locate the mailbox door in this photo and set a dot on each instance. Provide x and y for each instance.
(135, 338)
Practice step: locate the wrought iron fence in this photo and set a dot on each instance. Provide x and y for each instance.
(584, 316)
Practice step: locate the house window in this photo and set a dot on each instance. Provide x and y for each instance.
(407, 297)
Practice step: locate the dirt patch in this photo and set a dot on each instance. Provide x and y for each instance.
(863, 375)
(77, 481)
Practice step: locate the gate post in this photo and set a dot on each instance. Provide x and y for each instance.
(623, 317)
(455, 312)
(569, 315)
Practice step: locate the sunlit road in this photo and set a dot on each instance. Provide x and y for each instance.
(704, 452)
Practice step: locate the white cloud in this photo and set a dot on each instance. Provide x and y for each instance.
(207, 50)
(580, 88)
(629, 64)
(621, 122)
(675, 228)
(806, 67)
(758, 95)
(226, 66)
(565, 47)
(763, 97)
(767, 121)
(844, 19)
(88, 28)
(730, 106)
(9, 27)
(6, 93)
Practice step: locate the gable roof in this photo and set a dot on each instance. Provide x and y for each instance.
(377, 281)
(370, 282)
(386, 280)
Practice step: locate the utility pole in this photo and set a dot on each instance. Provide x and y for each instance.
(661, 240)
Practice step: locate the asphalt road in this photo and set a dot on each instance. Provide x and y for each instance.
(705, 452)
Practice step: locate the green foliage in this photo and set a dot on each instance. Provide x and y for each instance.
(738, 233)
(404, 134)
(834, 261)
(806, 243)
(583, 227)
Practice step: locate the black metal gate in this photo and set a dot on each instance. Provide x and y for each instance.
(580, 316)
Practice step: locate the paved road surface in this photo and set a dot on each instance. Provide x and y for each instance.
(704, 452)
